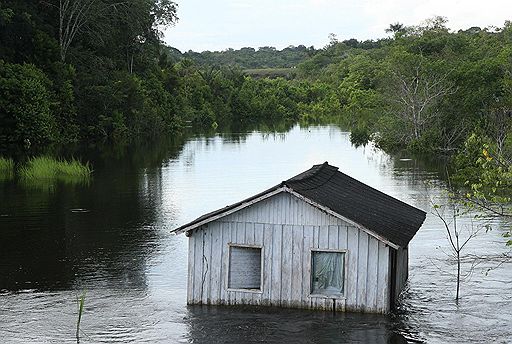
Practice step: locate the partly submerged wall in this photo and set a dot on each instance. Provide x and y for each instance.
(287, 229)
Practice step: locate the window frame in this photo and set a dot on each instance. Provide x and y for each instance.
(228, 257)
(341, 296)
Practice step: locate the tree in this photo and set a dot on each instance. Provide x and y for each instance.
(73, 16)
(397, 29)
(25, 102)
(458, 238)
(416, 87)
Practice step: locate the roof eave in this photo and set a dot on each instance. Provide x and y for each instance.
(229, 210)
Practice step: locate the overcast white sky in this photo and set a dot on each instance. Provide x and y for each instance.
(222, 24)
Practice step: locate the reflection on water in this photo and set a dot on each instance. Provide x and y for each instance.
(260, 324)
(118, 248)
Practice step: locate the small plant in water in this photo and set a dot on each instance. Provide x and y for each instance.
(80, 302)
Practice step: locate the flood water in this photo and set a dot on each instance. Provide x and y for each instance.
(111, 240)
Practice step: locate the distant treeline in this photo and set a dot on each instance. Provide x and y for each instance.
(249, 58)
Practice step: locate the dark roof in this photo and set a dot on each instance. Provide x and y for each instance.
(384, 215)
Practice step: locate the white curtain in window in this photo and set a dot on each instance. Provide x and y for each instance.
(328, 272)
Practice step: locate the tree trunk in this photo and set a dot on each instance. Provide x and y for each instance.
(458, 277)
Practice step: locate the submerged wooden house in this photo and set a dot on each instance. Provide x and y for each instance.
(320, 240)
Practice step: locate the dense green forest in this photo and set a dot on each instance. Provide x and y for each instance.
(74, 71)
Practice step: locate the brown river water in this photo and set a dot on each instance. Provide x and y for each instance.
(111, 240)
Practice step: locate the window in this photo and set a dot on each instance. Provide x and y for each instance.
(244, 267)
(327, 273)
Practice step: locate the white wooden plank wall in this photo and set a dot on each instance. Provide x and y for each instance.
(287, 229)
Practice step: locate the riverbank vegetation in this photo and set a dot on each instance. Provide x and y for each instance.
(6, 168)
(47, 168)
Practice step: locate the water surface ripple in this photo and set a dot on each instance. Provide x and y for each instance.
(118, 249)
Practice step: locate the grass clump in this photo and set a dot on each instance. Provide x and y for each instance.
(6, 168)
(45, 168)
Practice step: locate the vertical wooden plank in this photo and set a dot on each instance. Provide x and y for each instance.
(286, 209)
(259, 239)
(198, 264)
(280, 210)
(215, 264)
(372, 275)
(286, 265)
(303, 218)
(275, 290)
(240, 233)
(226, 238)
(351, 261)
(342, 237)
(281, 218)
(232, 230)
(316, 230)
(296, 216)
(290, 219)
(272, 209)
(207, 262)
(258, 211)
(267, 262)
(259, 234)
(306, 213)
(296, 270)
(362, 266)
(190, 271)
(306, 266)
(298, 213)
(249, 240)
(291, 213)
(333, 236)
(383, 305)
(249, 233)
(323, 237)
(241, 239)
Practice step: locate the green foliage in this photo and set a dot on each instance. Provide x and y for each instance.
(6, 168)
(486, 175)
(107, 80)
(49, 170)
(25, 103)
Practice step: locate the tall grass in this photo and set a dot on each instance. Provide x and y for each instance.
(46, 169)
(6, 168)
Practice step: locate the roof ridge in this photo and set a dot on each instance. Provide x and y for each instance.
(314, 174)
(308, 173)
